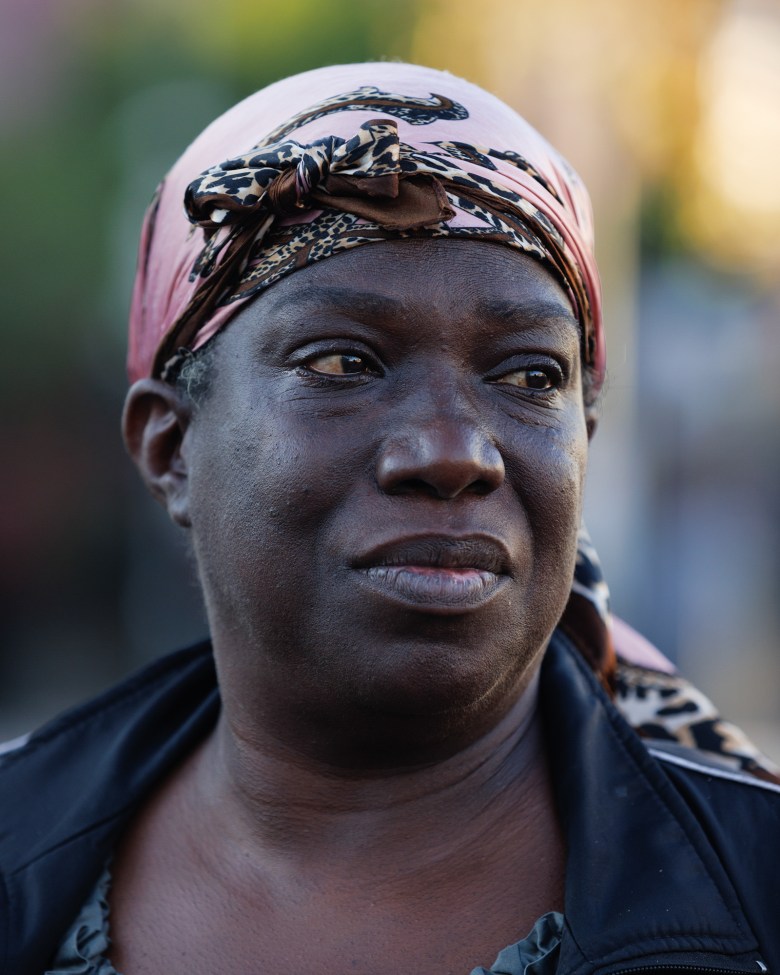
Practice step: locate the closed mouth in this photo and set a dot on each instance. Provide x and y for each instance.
(479, 552)
(438, 573)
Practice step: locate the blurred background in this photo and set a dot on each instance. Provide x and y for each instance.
(671, 113)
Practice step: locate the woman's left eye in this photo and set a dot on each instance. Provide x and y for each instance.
(529, 378)
(336, 364)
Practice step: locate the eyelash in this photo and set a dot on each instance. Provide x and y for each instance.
(552, 370)
(303, 367)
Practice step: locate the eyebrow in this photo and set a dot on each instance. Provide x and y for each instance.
(349, 299)
(529, 312)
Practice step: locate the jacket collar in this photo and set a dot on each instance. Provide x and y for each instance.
(643, 883)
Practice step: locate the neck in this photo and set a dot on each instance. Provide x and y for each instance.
(260, 792)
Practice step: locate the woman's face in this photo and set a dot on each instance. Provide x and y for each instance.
(385, 479)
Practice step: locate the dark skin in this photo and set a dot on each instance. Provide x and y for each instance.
(383, 487)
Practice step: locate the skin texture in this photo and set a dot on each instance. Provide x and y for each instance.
(385, 432)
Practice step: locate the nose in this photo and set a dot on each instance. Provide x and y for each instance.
(444, 456)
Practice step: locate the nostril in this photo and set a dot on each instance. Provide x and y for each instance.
(411, 485)
(482, 487)
(416, 485)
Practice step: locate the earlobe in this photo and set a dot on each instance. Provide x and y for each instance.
(155, 422)
(591, 420)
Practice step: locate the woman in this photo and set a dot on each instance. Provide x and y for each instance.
(415, 755)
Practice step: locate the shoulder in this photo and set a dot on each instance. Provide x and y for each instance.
(68, 790)
(156, 681)
(95, 759)
(730, 787)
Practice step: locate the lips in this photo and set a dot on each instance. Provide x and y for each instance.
(438, 573)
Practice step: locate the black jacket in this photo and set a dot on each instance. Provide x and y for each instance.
(672, 862)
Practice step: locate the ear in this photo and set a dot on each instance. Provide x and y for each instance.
(155, 422)
(591, 420)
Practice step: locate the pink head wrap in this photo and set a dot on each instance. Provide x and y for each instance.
(324, 161)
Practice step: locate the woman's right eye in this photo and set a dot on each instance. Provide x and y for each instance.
(336, 364)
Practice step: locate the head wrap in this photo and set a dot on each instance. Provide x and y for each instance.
(322, 162)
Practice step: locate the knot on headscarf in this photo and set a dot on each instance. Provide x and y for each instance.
(282, 176)
(286, 194)
(361, 175)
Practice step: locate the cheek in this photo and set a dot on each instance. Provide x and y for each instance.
(262, 489)
(556, 496)
(547, 460)
(547, 466)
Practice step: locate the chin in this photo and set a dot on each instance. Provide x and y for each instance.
(424, 678)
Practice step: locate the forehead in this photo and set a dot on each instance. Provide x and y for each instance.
(434, 286)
